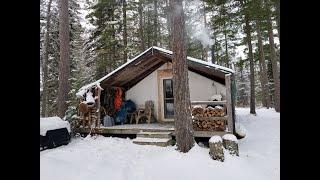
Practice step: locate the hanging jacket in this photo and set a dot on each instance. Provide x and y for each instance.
(118, 99)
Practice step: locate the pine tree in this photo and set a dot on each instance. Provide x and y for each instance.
(246, 8)
(125, 39)
(155, 23)
(64, 63)
(205, 49)
(260, 16)
(80, 74)
(242, 83)
(105, 39)
(225, 24)
(182, 106)
(44, 112)
(78, 70)
(273, 59)
(277, 13)
(141, 29)
(53, 59)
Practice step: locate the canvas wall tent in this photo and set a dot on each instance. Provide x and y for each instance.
(144, 78)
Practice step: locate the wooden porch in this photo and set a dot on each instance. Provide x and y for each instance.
(133, 129)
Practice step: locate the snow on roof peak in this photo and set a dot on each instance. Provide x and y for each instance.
(198, 61)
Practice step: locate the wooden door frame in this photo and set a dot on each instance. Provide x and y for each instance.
(163, 74)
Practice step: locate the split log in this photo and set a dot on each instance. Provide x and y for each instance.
(230, 142)
(216, 148)
(198, 111)
(207, 124)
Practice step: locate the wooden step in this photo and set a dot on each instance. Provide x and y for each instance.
(163, 142)
(147, 134)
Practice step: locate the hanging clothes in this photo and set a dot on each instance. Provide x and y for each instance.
(118, 99)
(109, 101)
(106, 96)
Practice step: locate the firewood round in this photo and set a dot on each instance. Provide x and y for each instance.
(216, 148)
(230, 142)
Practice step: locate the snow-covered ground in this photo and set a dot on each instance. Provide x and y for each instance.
(119, 159)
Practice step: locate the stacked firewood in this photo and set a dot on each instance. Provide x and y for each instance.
(201, 124)
(207, 119)
(199, 111)
(87, 115)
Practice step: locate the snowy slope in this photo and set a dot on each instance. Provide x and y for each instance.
(119, 159)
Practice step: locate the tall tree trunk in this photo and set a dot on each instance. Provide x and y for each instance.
(125, 40)
(212, 54)
(213, 49)
(205, 48)
(142, 45)
(44, 111)
(148, 29)
(223, 9)
(168, 10)
(242, 92)
(264, 77)
(226, 48)
(263, 97)
(252, 86)
(113, 47)
(159, 35)
(273, 58)
(64, 64)
(182, 106)
(278, 17)
(155, 23)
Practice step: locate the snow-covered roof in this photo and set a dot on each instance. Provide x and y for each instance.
(83, 89)
(52, 123)
(198, 61)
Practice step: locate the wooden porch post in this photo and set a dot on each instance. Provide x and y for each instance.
(229, 102)
(98, 108)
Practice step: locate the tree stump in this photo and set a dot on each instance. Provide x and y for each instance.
(230, 142)
(216, 148)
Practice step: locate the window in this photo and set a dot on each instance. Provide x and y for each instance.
(168, 98)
